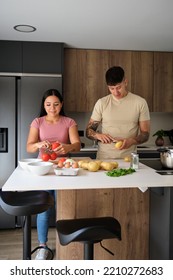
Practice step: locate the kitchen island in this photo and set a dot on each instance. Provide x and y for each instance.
(94, 194)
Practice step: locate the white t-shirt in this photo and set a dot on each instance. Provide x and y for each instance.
(119, 118)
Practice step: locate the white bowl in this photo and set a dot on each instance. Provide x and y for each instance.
(24, 162)
(40, 168)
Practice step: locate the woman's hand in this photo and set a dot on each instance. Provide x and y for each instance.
(43, 145)
(66, 148)
(63, 149)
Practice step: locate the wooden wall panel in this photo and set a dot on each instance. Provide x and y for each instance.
(130, 206)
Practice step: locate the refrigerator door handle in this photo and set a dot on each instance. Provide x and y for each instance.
(3, 140)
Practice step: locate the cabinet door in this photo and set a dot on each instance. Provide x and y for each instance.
(10, 57)
(163, 82)
(123, 59)
(41, 57)
(142, 76)
(84, 78)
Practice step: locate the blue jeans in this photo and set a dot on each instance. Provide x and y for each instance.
(43, 222)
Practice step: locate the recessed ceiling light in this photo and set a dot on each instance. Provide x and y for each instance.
(24, 28)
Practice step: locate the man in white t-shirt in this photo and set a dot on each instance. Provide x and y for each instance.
(120, 116)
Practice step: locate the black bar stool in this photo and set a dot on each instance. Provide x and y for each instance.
(88, 231)
(26, 204)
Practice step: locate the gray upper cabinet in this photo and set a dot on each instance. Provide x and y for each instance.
(42, 57)
(10, 57)
(31, 57)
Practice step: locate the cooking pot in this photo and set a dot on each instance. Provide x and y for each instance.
(166, 157)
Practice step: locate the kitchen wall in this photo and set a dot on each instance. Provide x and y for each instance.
(158, 121)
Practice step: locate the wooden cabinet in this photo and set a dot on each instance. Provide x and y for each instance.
(84, 76)
(84, 80)
(149, 74)
(163, 82)
(10, 57)
(138, 68)
(142, 76)
(123, 59)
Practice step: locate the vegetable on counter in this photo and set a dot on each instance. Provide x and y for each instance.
(120, 172)
(95, 165)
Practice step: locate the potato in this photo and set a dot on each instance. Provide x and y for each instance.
(93, 166)
(118, 144)
(108, 166)
(127, 159)
(115, 164)
(98, 162)
(84, 165)
(80, 162)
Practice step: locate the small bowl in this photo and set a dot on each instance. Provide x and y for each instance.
(40, 168)
(24, 162)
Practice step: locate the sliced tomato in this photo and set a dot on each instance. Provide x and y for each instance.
(53, 156)
(45, 157)
(55, 145)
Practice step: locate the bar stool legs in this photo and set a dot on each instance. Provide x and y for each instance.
(26, 204)
(27, 238)
(88, 251)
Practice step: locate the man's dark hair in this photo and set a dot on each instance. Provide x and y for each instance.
(114, 75)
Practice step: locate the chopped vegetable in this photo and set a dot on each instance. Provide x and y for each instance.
(120, 172)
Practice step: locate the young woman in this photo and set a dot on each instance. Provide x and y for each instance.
(51, 126)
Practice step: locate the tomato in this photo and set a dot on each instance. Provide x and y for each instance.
(45, 157)
(62, 160)
(53, 156)
(55, 145)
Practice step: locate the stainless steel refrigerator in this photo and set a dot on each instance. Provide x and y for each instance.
(20, 100)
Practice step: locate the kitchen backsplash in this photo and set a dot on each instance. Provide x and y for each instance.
(158, 121)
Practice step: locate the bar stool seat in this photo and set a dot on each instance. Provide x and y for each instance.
(88, 231)
(26, 204)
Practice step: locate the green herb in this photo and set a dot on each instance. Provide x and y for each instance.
(160, 133)
(120, 172)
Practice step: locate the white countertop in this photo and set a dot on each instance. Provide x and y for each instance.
(145, 177)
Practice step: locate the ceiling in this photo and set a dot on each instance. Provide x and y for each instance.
(92, 24)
